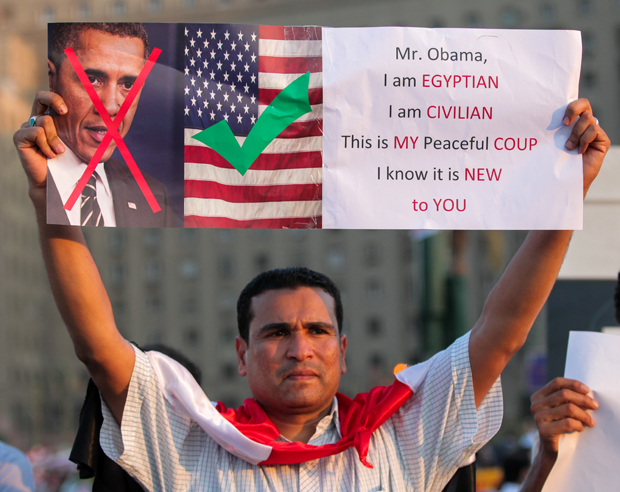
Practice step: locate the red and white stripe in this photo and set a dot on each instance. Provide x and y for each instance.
(259, 447)
(283, 188)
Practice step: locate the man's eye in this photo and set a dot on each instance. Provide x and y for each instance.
(93, 80)
(127, 86)
(279, 333)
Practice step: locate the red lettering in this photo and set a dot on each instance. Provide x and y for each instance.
(449, 204)
(478, 174)
(494, 174)
(405, 143)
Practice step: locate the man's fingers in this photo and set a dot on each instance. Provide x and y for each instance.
(40, 138)
(553, 430)
(47, 123)
(558, 384)
(45, 100)
(574, 109)
(576, 139)
(562, 397)
(42, 135)
(27, 138)
(589, 136)
(564, 411)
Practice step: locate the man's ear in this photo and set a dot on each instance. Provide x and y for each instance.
(52, 75)
(242, 349)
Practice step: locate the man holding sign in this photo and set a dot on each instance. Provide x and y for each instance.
(297, 433)
(561, 406)
(111, 58)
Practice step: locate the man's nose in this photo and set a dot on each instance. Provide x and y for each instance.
(111, 99)
(299, 347)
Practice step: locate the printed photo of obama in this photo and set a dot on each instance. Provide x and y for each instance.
(113, 56)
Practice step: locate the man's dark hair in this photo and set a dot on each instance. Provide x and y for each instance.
(283, 278)
(65, 35)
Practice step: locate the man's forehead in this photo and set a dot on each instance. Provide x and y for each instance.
(280, 305)
(109, 47)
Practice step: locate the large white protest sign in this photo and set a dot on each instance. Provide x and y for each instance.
(449, 129)
(310, 127)
(587, 460)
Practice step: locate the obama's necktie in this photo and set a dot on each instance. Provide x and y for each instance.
(90, 211)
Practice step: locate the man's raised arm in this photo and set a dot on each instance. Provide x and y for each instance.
(522, 290)
(77, 287)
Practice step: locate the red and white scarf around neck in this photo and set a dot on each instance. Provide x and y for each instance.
(250, 435)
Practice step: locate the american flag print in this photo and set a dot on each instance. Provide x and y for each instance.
(233, 72)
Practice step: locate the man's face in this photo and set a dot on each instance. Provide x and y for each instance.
(112, 64)
(295, 355)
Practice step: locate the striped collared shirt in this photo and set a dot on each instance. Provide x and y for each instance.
(418, 449)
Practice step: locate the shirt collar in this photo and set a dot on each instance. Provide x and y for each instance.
(67, 169)
(331, 417)
(324, 424)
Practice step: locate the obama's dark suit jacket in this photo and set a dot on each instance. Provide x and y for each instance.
(130, 206)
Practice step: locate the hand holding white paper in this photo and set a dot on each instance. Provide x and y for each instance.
(588, 460)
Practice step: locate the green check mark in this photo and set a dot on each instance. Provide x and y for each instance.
(287, 106)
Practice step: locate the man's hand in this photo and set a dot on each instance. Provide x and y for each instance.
(560, 407)
(40, 142)
(588, 137)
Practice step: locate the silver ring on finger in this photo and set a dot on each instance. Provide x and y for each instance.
(32, 120)
(596, 119)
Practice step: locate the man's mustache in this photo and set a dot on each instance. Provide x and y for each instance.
(299, 370)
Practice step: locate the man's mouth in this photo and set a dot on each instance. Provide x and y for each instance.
(301, 375)
(97, 132)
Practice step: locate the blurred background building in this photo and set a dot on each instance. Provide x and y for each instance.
(407, 294)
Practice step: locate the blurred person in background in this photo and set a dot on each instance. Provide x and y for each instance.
(15, 470)
(560, 407)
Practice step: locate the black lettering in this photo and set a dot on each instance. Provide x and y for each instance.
(403, 55)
